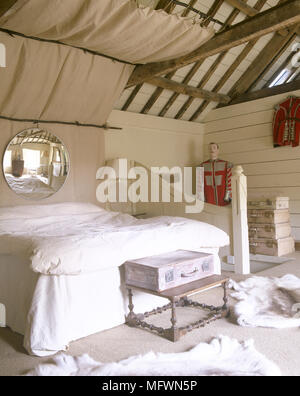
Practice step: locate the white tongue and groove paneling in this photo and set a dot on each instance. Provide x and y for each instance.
(244, 132)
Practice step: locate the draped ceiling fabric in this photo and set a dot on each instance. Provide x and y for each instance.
(55, 82)
(114, 27)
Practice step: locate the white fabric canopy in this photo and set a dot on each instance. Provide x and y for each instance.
(117, 28)
(53, 82)
(50, 81)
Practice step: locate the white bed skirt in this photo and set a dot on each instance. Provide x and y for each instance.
(52, 311)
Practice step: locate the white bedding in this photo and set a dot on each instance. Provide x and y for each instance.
(30, 187)
(50, 310)
(69, 241)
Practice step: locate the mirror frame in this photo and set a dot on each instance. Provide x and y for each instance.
(44, 131)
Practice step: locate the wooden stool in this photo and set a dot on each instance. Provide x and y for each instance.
(178, 297)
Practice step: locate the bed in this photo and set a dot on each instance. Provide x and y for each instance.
(61, 267)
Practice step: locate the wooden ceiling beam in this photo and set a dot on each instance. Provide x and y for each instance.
(250, 11)
(267, 92)
(204, 80)
(276, 57)
(258, 6)
(243, 7)
(188, 90)
(201, 84)
(212, 12)
(266, 22)
(5, 5)
(169, 7)
(175, 95)
(165, 5)
(157, 93)
(258, 68)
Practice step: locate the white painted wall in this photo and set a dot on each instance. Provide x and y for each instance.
(154, 141)
(244, 132)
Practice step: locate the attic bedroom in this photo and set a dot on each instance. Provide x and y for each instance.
(150, 190)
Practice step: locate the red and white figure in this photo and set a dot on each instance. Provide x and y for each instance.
(217, 178)
(286, 124)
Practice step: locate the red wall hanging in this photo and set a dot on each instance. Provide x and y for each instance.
(286, 124)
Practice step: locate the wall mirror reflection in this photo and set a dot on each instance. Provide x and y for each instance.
(36, 164)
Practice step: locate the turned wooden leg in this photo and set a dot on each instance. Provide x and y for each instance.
(174, 331)
(174, 316)
(130, 318)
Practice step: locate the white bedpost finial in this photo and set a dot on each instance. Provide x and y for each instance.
(238, 170)
(240, 221)
(2, 315)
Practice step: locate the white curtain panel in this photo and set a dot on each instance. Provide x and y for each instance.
(54, 82)
(117, 28)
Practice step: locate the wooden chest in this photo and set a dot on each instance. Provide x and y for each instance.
(166, 271)
(272, 247)
(276, 203)
(270, 231)
(264, 216)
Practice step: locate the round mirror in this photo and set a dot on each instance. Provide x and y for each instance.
(36, 164)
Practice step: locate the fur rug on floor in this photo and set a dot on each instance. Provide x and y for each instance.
(222, 357)
(267, 302)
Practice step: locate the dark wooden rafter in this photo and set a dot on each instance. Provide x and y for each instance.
(250, 11)
(211, 70)
(201, 84)
(266, 92)
(277, 56)
(272, 20)
(269, 55)
(243, 7)
(243, 55)
(156, 94)
(188, 90)
(212, 12)
(167, 6)
(259, 5)
(175, 95)
(282, 67)
(5, 5)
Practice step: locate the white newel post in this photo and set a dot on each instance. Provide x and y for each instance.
(240, 222)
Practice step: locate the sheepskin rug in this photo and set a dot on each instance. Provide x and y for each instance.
(267, 302)
(222, 357)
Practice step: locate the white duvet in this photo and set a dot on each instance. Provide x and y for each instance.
(70, 239)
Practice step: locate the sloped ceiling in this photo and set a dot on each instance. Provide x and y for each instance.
(246, 68)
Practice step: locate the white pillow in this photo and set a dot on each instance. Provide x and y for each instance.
(35, 211)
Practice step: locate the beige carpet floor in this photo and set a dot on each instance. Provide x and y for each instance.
(280, 346)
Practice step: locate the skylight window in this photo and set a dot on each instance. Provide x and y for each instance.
(281, 78)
